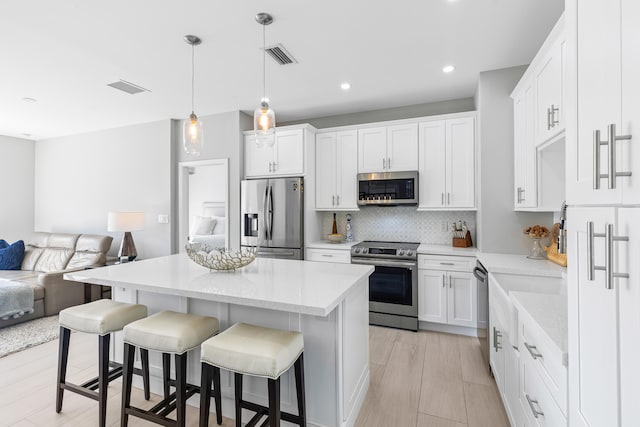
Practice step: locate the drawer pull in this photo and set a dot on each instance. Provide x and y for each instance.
(536, 412)
(327, 255)
(533, 351)
(447, 263)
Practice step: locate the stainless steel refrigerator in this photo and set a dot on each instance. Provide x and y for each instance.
(273, 216)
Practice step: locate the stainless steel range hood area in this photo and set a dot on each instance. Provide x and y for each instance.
(388, 188)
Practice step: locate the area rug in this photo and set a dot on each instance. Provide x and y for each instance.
(28, 334)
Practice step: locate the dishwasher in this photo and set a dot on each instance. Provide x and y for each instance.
(482, 277)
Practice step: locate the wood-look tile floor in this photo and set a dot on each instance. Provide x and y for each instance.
(422, 379)
(429, 379)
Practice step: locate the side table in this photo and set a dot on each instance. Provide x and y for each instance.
(87, 286)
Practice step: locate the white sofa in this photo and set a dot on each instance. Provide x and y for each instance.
(47, 257)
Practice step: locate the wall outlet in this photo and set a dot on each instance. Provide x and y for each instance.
(163, 219)
(444, 226)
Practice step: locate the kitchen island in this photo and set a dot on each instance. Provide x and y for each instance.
(328, 303)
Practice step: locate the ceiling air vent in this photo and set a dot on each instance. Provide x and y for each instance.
(280, 54)
(128, 87)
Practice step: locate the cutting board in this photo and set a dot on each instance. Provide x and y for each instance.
(552, 249)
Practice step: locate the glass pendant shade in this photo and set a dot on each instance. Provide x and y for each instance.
(192, 135)
(264, 121)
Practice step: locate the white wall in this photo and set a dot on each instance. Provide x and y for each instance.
(499, 226)
(80, 178)
(16, 192)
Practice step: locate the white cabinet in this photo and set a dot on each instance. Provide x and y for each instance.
(341, 256)
(388, 148)
(604, 52)
(604, 320)
(284, 158)
(336, 170)
(447, 164)
(525, 186)
(539, 126)
(444, 294)
(548, 84)
(505, 360)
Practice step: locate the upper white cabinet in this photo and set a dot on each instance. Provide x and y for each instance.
(285, 158)
(604, 52)
(336, 170)
(539, 126)
(388, 148)
(447, 163)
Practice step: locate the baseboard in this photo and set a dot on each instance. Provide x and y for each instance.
(452, 329)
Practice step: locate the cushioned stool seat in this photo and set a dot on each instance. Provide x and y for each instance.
(99, 317)
(169, 333)
(257, 351)
(102, 316)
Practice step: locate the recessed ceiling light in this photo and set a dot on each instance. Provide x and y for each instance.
(345, 86)
(448, 68)
(30, 100)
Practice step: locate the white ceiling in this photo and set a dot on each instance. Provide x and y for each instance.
(64, 53)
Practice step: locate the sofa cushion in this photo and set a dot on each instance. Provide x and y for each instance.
(11, 256)
(53, 259)
(94, 243)
(17, 275)
(34, 282)
(63, 240)
(31, 256)
(83, 259)
(39, 240)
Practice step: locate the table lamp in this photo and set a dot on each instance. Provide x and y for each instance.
(126, 222)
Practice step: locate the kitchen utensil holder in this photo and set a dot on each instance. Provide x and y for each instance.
(462, 242)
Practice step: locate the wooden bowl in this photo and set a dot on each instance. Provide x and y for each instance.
(335, 238)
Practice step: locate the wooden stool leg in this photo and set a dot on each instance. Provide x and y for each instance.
(238, 393)
(217, 394)
(127, 378)
(299, 370)
(103, 377)
(63, 356)
(181, 388)
(166, 373)
(205, 392)
(274, 402)
(144, 356)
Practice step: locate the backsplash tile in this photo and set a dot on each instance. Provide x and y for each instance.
(399, 223)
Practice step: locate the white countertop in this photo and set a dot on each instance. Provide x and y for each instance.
(313, 288)
(549, 312)
(520, 264)
(433, 249)
(325, 244)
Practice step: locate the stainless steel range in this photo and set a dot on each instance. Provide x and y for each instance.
(393, 286)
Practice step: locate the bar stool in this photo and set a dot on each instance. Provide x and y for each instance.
(169, 333)
(262, 352)
(99, 317)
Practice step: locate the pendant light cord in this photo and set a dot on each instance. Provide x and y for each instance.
(264, 67)
(192, 76)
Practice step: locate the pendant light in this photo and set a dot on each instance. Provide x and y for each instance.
(264, 118)
(192, 132)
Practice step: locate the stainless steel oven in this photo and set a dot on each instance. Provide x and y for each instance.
(393, 286)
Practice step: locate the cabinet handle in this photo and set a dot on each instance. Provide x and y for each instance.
(443, 284)
(388, 162)
(536, 412)
(496, 339)
(554, 110)
(274, 166)
(442, 198)
(520, 191)
(447, 263)
(548, 118)
(610, 239)
(327, 255)
(270, 167)
(338, 200)
(611, 174)
(384, 162)
(533, 351)
(333, 200)
(449, 282)
(448, 198)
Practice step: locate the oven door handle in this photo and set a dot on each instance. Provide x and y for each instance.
(480, 274)
(381, 263)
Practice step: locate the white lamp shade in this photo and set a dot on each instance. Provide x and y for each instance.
(125, 221)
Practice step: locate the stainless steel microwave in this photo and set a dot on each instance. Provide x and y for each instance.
(388, 188)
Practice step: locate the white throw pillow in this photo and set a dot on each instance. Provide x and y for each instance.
(202, 225)
(221, 225)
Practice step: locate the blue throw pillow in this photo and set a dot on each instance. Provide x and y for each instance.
(3, 244)
(11, 256)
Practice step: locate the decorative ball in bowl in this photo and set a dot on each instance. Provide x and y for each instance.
(220, 258)
(335, 238)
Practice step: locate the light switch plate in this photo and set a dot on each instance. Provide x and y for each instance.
(163, 219)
